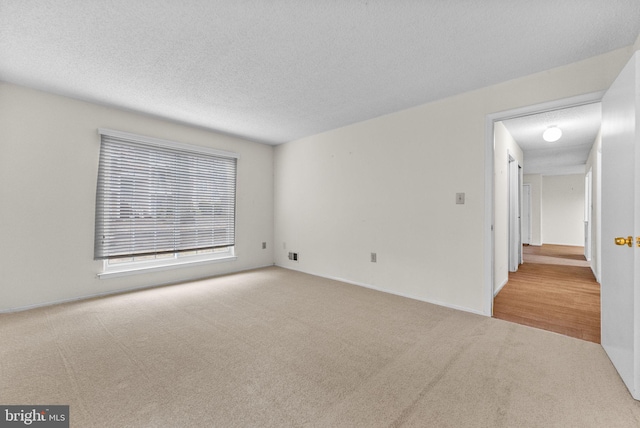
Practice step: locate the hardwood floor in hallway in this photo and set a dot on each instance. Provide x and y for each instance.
(554, 289)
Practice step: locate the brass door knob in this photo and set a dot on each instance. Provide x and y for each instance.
(625, 241)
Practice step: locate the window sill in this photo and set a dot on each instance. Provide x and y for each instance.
(133, 269)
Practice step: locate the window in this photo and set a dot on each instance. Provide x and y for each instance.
(160, 203)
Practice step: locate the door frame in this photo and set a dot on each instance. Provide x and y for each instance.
(489, 212)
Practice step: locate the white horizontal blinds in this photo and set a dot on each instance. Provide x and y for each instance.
(157, 199)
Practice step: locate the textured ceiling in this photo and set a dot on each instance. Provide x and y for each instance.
(276, 71)
(579, 125)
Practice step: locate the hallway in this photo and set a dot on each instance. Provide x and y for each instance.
(554, 289)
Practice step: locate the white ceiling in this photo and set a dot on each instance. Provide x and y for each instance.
(579, 125)
(276, 71)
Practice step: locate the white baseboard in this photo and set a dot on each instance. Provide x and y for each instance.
(384, 290)
(495, 293)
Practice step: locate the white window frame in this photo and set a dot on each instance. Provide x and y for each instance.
(111, 270)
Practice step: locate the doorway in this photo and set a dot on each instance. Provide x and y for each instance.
(520, 223)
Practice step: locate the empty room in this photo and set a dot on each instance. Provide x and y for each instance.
(274, 214)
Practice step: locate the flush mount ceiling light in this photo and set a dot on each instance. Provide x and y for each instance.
(551, 134)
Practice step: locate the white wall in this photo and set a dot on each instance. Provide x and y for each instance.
(563, 209)
(388, 185)
(535, 181)
(504, 145)
(48, 170)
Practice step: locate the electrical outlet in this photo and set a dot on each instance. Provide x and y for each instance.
(374, 258)
(264, 245)
(460, 198)
(293, 256)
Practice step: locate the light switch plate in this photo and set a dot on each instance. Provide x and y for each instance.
(459, 198)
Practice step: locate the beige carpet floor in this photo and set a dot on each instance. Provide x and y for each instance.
(278, 348)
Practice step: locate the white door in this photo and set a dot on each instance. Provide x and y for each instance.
(587, 215)
(526, 214)
(515, 240)
(620, 292)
